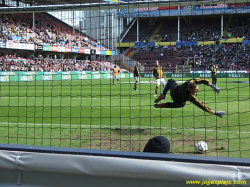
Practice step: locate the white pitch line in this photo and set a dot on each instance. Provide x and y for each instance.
(122, 127)
(72, 98)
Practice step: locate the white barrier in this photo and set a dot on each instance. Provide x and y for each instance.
(76, 167)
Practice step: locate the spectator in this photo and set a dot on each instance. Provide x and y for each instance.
(157, 144)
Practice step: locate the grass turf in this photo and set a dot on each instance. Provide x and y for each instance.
(98, 115)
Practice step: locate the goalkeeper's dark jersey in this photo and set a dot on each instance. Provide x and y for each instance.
(181, 94)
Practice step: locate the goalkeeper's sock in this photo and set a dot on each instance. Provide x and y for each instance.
(156, 89)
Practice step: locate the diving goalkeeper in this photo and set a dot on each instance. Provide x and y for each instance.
(186, 92)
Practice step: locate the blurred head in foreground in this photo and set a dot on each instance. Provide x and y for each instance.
(157, 144)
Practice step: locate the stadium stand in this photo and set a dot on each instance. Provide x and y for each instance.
(226, 56)
(50, 31)
(47, 31)
(200, 45)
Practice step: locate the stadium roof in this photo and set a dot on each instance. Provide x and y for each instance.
(66, 5)
(58, 2)
(170, 2)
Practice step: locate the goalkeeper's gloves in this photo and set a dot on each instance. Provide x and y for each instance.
(216, 89)
(219, 113)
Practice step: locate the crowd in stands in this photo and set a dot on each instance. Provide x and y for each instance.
(196, 29)
(233, 56)
(11, 63)
(205, 29)
(50, 31)
(226, 56)
(47, 30)
(239, 29)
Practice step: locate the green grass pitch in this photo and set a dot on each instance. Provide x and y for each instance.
(95, 114)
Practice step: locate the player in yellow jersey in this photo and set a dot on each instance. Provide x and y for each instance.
(186, 92)
(137, 75)
(214, 72)
(115, 74)
(160, 76)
